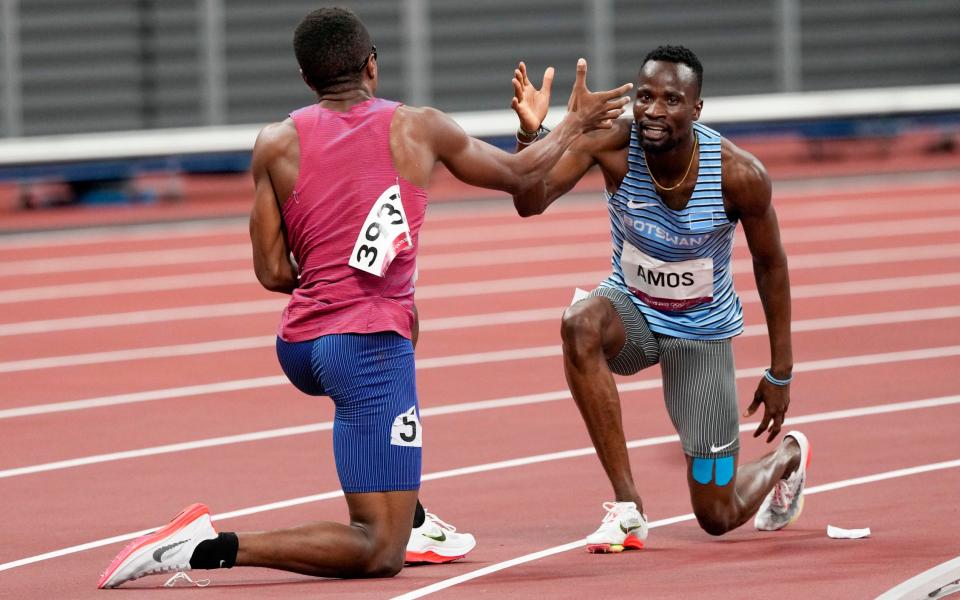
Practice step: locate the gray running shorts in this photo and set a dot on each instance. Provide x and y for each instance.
(699, 384)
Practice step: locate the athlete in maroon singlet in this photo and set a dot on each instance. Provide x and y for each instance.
(342, 289)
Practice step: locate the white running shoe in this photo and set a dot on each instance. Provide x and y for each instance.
(783, 504)
(623, 528)
(166, 550)
(437, 542)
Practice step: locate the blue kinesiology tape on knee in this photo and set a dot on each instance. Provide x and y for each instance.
(703, 470)
(724, 474)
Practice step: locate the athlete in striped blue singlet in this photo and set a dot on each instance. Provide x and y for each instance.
(675, 191)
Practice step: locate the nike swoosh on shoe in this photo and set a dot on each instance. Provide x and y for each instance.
(159, 552)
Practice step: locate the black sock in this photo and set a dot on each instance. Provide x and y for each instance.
(218, 553)
(419, 515)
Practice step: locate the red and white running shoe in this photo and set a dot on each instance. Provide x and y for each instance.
(166, 550)
(623, 528)
(437, 542)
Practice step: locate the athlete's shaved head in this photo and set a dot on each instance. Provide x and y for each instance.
(331, 45)
(680, 55)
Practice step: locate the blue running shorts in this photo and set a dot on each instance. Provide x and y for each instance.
(377, 437)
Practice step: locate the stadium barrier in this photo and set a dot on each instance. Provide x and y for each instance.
(103, 164)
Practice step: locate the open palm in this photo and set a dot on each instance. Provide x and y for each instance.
(530, 103)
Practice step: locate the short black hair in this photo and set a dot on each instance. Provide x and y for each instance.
(677, 54)
(331, 44)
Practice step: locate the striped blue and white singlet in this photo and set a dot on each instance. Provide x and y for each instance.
(675, 264)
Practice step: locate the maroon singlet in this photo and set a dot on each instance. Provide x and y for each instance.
(345, 165)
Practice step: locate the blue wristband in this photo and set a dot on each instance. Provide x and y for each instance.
(774, 380)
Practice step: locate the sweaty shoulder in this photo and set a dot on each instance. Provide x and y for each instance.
(418, 123)
(746, 185)
(276, 137)
(414, 133)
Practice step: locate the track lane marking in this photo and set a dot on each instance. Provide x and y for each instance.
(822, 205)
(541, 351)
(865, 230)
(537, 459)
(464, 322)
(436, 291)
(221, 252)
(462, 407)
(500, 566)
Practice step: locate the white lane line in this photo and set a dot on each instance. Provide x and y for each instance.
(115, 260)
(143, 317)
(500, 566)
(801, 261)
(277, 380)
(825, 203)
(225, 440)
(128, 354)
(464, 322)
(742, 265)
(865, 286)
(124, 233)
(148, 396)
(520, 462)
(245, 276)
(464, 407)
(259, 382)
(830, 200)
(869, 229)
(862, 320)
(221, 252)
(130, 286)
(802, 207)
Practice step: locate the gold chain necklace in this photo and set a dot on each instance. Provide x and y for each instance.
(696, 144)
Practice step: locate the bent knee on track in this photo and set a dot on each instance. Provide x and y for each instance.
(715, 515)
(714, 523)
(582, 326)
(383, 567)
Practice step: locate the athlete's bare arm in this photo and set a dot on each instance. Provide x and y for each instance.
(606, 147)
(274, 167)
(422, 136)
(748, 192)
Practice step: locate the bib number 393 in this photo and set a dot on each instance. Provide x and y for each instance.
(385, 233)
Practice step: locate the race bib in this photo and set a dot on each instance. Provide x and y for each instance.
(669, 286)
(384, 234)
(406, 430)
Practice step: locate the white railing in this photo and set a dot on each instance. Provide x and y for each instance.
(766, 108)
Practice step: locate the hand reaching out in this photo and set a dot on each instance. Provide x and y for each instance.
(595, 110)
(529, 103)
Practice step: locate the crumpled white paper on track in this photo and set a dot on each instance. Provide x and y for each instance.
(838, 533)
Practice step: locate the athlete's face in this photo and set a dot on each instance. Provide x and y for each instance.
(667, 104)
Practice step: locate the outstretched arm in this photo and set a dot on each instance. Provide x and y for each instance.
(751, 192)
(478, 163)
(531, 105)
(271, 256)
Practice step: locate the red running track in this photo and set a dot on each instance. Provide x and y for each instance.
(138, 375)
